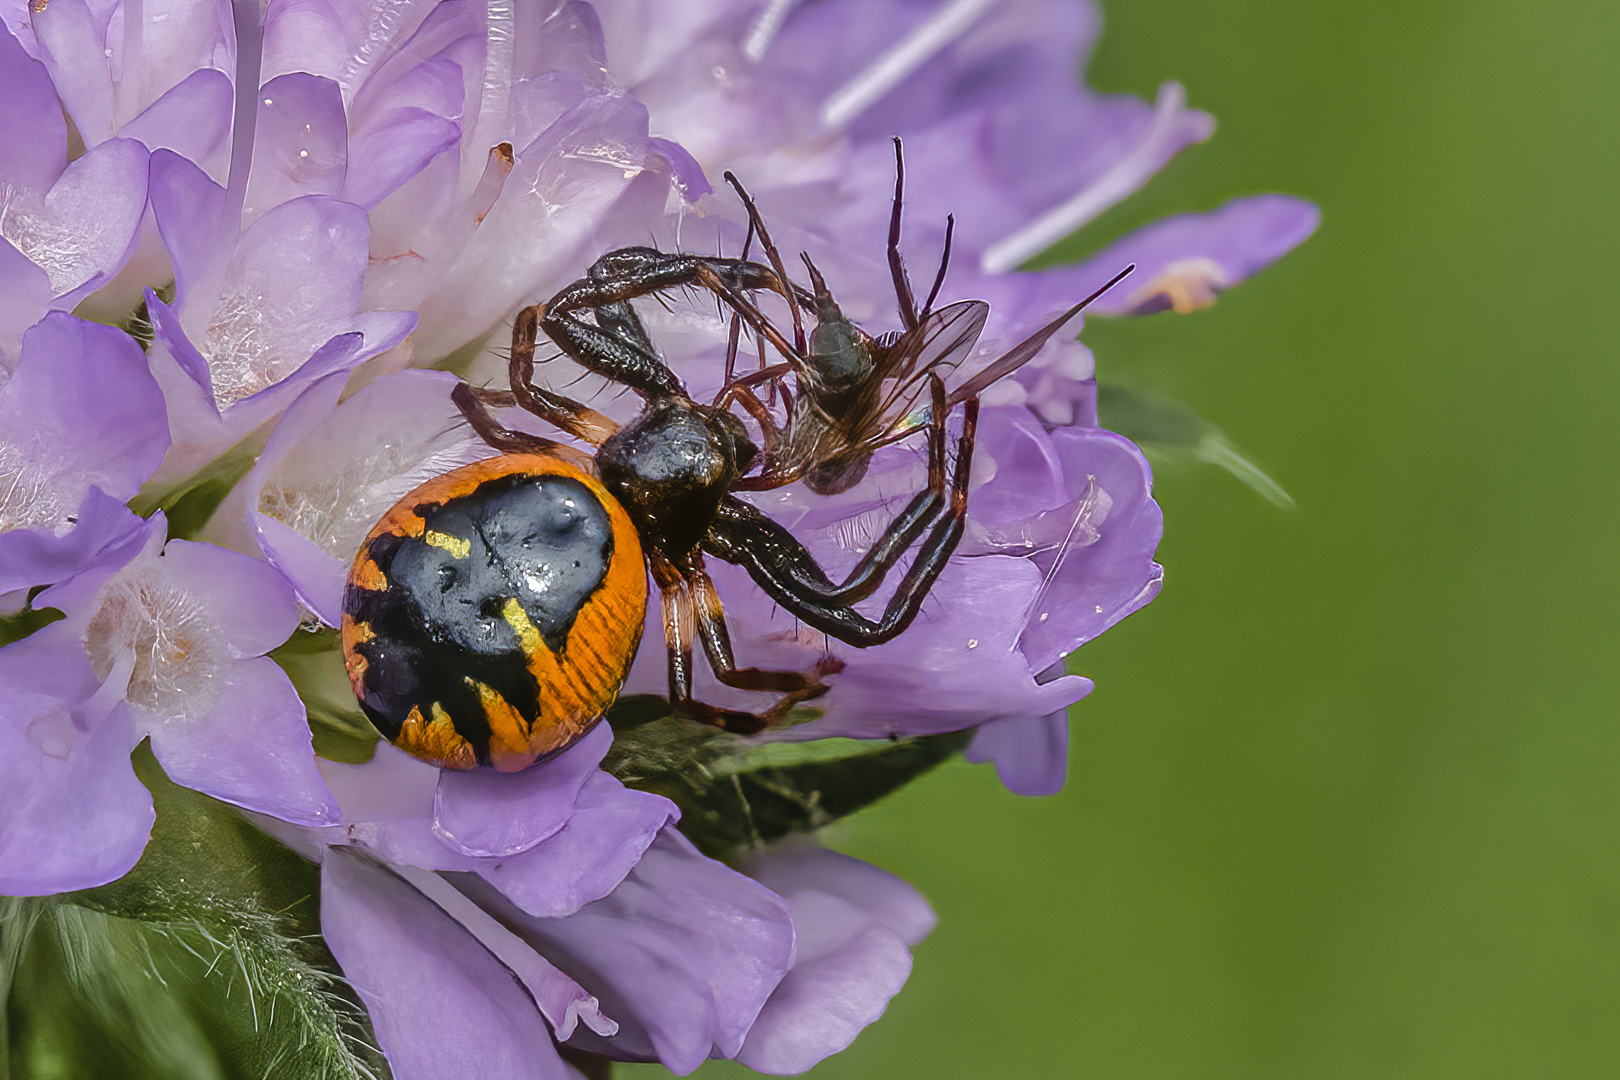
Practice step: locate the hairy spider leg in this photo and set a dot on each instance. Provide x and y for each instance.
(781, 565)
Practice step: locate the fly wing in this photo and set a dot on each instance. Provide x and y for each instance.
(942, 341)
(949, 334)
(1020, 354)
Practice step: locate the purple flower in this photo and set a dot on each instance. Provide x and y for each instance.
(167, 645)
(160, 79)
(568, 901)
(65, 228)
(383, 185)
(493, 152)
(268, 298)
(159, 641)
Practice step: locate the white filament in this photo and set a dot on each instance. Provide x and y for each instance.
(894, 66)
(1125, 177)
(171, 641)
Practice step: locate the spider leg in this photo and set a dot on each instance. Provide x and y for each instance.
(771, 432)
(611, 354)
(617, 345)
(784, 284)
(781, 565)
(580, 421)
(681, 625)
(716, 639)
(470, 401)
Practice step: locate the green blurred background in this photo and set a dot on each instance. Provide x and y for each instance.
(1344, 802)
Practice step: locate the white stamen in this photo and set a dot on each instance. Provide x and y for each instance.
(762, 31)
(1125, 177)
(242, 352)
(173, 648)
(894, 66)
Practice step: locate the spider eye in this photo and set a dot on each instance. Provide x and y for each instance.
(446, 578)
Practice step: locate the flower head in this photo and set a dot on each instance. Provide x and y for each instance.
(341, 192)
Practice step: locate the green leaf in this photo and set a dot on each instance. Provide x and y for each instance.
(189, 504)
(25, 622)
(313, 660)
(735, 794)
(204, 962)
(1169, 429)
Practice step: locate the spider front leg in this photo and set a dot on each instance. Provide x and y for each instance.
(784, 568)
(474, 405)
(579, 420)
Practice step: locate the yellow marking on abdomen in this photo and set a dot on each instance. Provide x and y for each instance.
(455, 545)
(509, 735)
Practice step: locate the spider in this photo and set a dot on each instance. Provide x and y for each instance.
(491, 616)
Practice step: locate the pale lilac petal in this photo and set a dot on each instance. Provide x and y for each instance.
(252, 750)
(561, 1000)
(88, 225)
(106, 534)
(178, 348)
(1110, 574)
(1183, 262)
(847, 972)
(561, 187)
(382, 330)
(300, 143)
(316, 577)
(253, 606)
(438, 66)
(437, 999)
(684, 169)
(45, 671)
(853, 923)
(484, 812)
(1031, 753)
(958, 665)
(33, 135)
(80, 411)
(388, 809)
(392, 785)
(74, 815)
(800, 866)
(682, 954)
(316, 38)
(75, 595)
(27, 290)
(611, 826)
(190, 212)
(193, 119)
(292, 285)
(390, 152)
(71, 41)
(312, 252)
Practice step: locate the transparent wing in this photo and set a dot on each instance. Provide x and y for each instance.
(942, 341)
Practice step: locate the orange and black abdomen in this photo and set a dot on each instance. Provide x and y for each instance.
(491, 616)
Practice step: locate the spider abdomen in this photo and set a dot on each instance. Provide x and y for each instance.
(491, 616)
